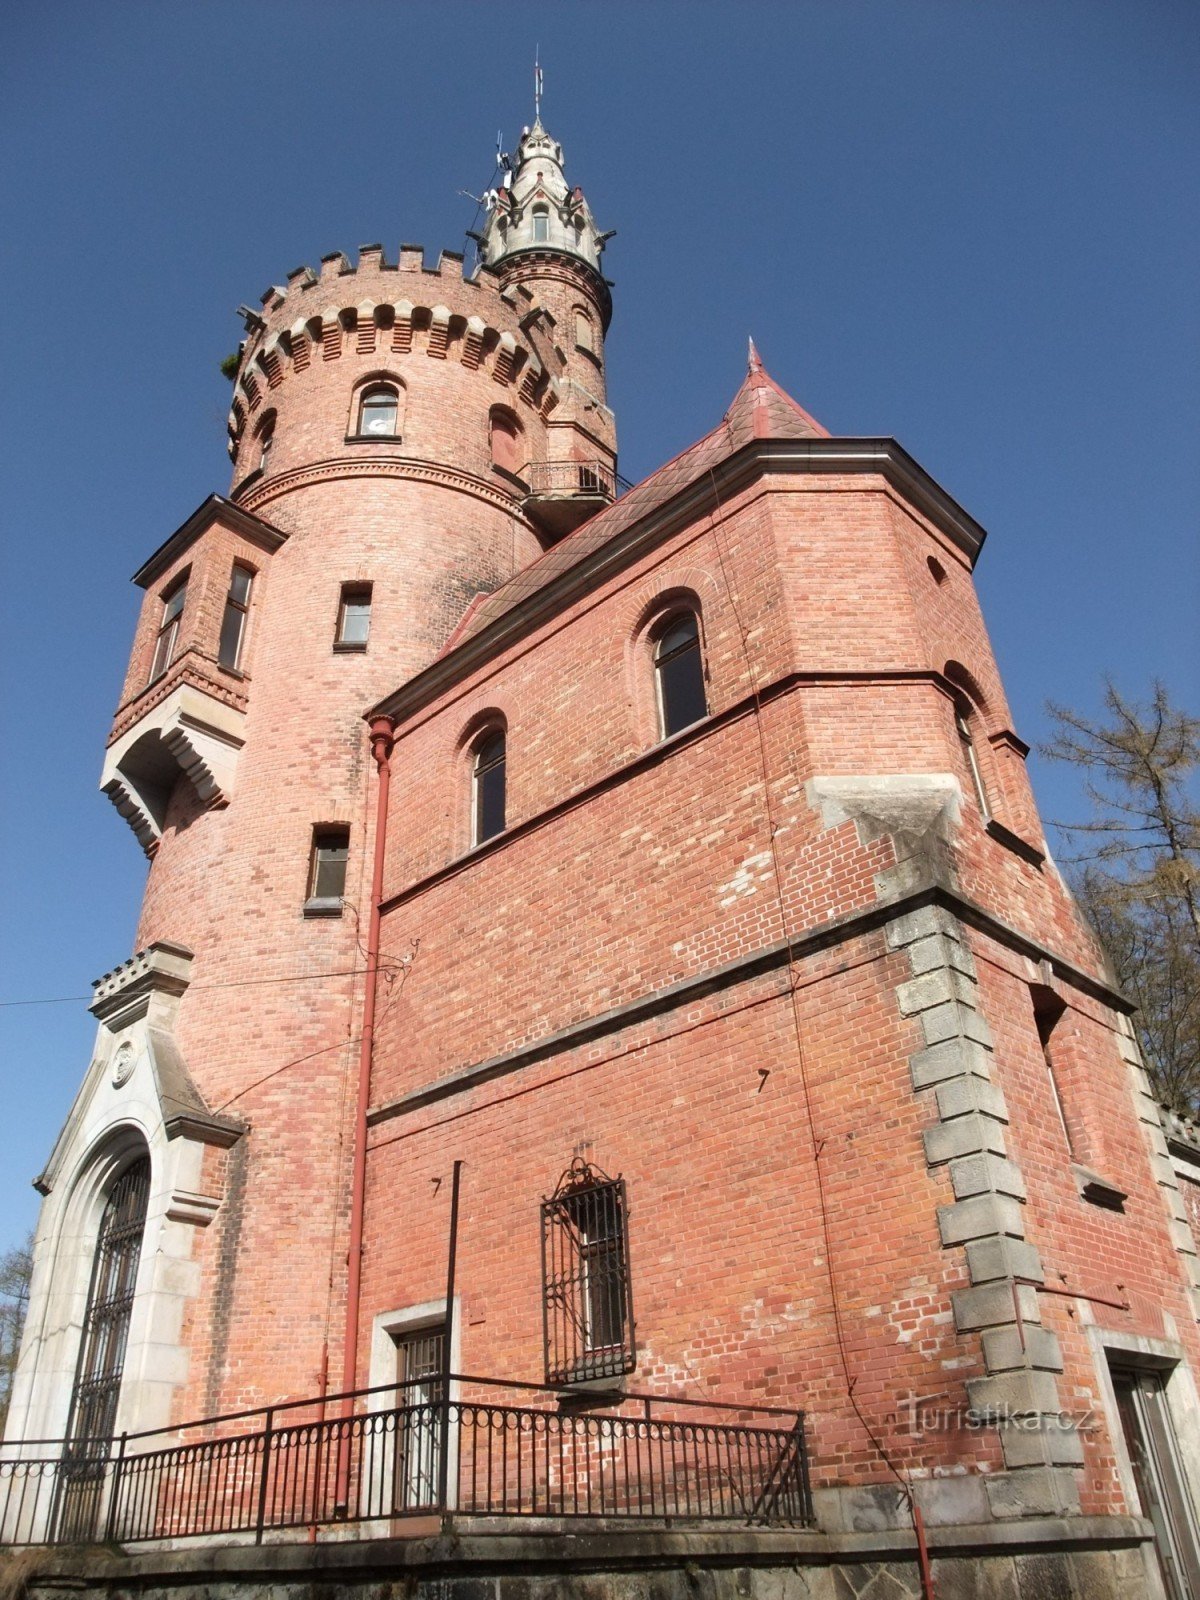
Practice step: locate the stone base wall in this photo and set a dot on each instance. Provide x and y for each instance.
(1083, 1559)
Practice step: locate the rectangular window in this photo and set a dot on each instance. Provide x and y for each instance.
(1159, 1477)
(327, 871)
(168, 629)
(233, 623)
(586, 1299)
(354, 617)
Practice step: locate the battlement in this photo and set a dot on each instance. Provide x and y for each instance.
(381, 308)
(450, 264)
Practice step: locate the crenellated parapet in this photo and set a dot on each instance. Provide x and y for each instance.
(384, 311)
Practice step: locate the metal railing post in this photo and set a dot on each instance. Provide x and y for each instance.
(114, 1492)
(268, 1433)
(447, 1346)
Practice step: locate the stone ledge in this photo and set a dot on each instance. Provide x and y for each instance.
(460, 1548)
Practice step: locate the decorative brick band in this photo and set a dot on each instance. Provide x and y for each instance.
(263, 491)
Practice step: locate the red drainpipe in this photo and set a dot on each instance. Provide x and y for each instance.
(382, 740)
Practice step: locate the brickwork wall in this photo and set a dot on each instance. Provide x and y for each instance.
(625, 872)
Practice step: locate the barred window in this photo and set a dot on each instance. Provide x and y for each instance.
(587, 1304)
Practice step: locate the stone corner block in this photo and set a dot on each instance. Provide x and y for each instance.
(981, 1174)
(965, 1136)
(989, 1259)
(963, 1095)
(1042, 1441)
(952, 1058)
(978, 1217)
(1003, 1349)
(1033, 1492)
(992, 1305)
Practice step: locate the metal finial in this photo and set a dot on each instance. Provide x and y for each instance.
(537, 83)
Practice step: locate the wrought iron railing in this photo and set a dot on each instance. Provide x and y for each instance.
(380, 1462)
(590, 478)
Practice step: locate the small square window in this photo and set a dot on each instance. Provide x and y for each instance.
(354, 617)
(327, 872)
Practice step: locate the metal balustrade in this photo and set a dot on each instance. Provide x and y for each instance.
(378, 1458)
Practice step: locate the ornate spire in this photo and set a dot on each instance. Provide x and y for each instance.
(533, 207)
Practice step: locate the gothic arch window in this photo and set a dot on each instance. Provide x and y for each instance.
(679, 671)
(489, 785)
(541, 224)
(379, 411)
(505, 436)
(91, 1421)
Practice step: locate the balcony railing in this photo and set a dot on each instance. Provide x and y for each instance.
(562, 494)
(403, 1454)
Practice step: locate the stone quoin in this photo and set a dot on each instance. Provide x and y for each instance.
(601, 938)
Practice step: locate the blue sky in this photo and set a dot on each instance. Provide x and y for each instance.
(972, 226)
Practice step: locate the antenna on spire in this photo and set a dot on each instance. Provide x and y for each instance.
(537, 82)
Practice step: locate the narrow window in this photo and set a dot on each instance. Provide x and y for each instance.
(541, 225)
(266, 439)
(233, 623)
(679, 668)
(168, 629)
(327, 871)
(377, 411)
(354, 617)
(586, 1300)
(490, 756)
(420, 1368)
(92, 1420)
(963, 717)
(504, 436)
(1047, 1010)
(583, 330)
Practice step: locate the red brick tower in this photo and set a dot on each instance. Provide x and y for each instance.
(396, 432)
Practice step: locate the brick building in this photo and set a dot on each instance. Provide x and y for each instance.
(664, 999)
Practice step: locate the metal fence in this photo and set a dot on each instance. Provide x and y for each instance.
(385, 1458)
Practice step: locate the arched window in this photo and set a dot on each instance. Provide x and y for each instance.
(541, 224)
(504, 435)
(488, 786)
(964, 726)
(92, 1419)
(679, 669)
(585, 338)
(379, 411)
(168, 628)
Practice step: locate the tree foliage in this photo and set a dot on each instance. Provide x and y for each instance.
(1135, 867)
(16, 1268)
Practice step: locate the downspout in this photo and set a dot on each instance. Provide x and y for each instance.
(382, 740)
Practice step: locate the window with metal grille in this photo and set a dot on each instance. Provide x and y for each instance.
(587, 1305)
(421, 1370)
(92, 1419)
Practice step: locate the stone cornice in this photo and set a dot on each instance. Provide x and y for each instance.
(215, 509)
(704, 496)
(410, 468)
(190, 667)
